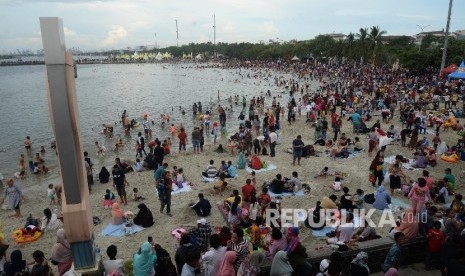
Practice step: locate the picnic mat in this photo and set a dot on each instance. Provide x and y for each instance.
(119, 230)
(224, 213)
(269, 168)
(323, 232)
(213, 179)
(407, 166)
(185, 188)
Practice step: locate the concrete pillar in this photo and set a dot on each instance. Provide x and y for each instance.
(64, 114)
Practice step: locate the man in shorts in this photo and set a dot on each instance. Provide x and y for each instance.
(196, 136)
(28, 144)
(119, 182)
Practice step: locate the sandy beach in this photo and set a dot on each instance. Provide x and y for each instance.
(194, 164)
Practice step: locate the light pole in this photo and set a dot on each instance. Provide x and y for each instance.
(421, 28)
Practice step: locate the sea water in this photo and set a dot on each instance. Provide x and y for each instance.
(103, 92)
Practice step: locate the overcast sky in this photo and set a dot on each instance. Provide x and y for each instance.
(115, 24)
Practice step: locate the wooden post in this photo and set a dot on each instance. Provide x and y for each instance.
(64, 114)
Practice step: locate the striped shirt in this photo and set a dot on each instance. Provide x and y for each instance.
(146, 124)
(242, 251)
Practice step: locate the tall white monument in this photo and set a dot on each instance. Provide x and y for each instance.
(64, 114)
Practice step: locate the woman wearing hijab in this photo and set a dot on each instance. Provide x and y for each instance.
(297, 253)
(61, 253)
(144, 260)
(409, 225)
(144, 218)
(280, 265)
(164, 265)
(104, 175)
(251, 265)
(359, 265)
(382, 199)
(15, 265)
(116, 214)
(227, 266)
(50, 221)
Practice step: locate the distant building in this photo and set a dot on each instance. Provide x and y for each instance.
(337, 36)
(419, 37)
(460, 34)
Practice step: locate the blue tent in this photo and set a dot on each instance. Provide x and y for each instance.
(459, 73)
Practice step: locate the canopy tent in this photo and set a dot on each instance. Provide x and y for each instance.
(449, 69)
(459, 73)
(295, 58)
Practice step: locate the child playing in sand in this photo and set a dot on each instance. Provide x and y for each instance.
(337, 184)
(108, 199)
(323, 173)
(51, 194)
(220, 186)
(135, 195)
(180, 179)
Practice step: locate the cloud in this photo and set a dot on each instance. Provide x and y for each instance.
(115, 35)
(268, 28)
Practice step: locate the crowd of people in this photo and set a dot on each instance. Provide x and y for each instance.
(353, 93)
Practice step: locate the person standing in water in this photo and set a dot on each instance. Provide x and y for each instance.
(28, 145)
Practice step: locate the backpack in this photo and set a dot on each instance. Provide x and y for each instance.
(161, 189)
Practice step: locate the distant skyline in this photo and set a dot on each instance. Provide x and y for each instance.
(116, 24)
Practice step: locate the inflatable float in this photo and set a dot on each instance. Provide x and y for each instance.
(450, 158)
(19, 237)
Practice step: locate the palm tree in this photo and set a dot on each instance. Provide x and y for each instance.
(375, 36)
(362, 37)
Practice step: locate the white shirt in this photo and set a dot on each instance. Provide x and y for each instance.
(52, 225)
(273, 137)
(346, 231)
(113, 265)
(211, 260)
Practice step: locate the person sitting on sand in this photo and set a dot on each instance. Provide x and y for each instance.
(357, 144)
(108, 199)
(211, 171)
(144, 217)
(365, 233)
(117, 214)
(277, 185)
(409, 225)
(219, 186)
(323, 173)
(294, 184)
(329, 203)
(382, 199)
(137, 167)
(230, 172)
(50, 221)
(202, 207)
(337, 185)
(136, 196)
